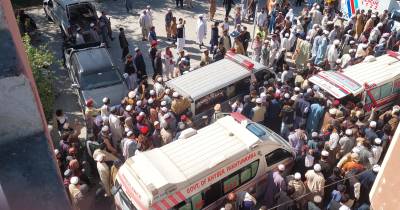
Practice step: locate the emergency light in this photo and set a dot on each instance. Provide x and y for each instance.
(240, 60)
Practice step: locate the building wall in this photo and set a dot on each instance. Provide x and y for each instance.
(29, 176)
(385, 193)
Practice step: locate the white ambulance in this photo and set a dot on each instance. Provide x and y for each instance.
(197, 172)
(219, 82)
(374, 84)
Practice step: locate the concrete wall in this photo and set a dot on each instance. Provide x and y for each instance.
(385, 193)
(29, 176)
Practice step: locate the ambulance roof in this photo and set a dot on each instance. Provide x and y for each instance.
(212, 77)
(353, 78)
(187, 160)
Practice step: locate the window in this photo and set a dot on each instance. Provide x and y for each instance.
(386, 90)
(124, 198)
(220, 188)
(231, 183)
(277, 156)
(396, 88)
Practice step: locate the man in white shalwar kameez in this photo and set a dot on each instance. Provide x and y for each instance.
(201, 30)
(285, 44)
(115, 127)
(274, 49)
(104, 174)
(333, 53)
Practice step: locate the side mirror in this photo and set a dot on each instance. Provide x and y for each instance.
(114, 190)
(75, 86)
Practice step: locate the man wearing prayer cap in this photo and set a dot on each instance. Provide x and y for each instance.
(366, 180)
(315, 180)
(276, 183)
(258, 112)
(299, 188)
(73, 189)
(370, 132)
(377, 150)
(347, 142)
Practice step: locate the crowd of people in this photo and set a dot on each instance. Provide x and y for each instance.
(338, 146)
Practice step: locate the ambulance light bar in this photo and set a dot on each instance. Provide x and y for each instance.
(239, 60)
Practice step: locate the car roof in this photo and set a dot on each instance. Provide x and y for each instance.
(65, 3)
(93, 60)
(212, 77)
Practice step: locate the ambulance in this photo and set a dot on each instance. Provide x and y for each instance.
(375, 84)
(221, 82)
(199, 170)
(350, 7)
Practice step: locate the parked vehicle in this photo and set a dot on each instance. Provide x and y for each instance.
(198, 171)
(220, 82)
(375, 84)
(94, 75)
(70, 15)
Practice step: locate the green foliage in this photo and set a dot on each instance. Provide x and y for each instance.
(40, 59)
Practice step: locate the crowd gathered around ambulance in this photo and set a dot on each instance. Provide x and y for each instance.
(339, 146)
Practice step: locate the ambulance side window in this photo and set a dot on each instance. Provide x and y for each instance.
(386, 90)
(277, 156)
(240, 177)
(396, 88)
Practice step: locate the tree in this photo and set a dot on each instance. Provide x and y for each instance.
(40, 59)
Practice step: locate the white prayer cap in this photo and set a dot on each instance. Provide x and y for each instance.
(395, 109)
(56, 151)
(315, 26)
(314, 134)
(152, 92)
(131, 94)
(201, 16)
(139, 103)
(125, 75)
(317, 199)
(128, 108)
(142, 114)
(105, 100)
(376, 168)
(378, 141)
(258, 100)
(372, 124)
(148, 6)
(336, 42)
(326, 32)
(164, 109)
(159, 79)
(169, 9)
(364, 46)
(297, 176)
(286, 95)
(352, 51)
(332, 111)
(379, 25)
(296, 89)
(349, 132)
(91, 24)
(167, 91)
(163, 103)
(317, 167)
(74, 180)
(281, 167)
(352, 42)
(325, 153)
(156, 123)
(105, 128)
(287, 35)
(175, 94)
(126, 129)
(150, 101)
(308, 38)
(355, 150)
(129, 133)
(339, 61)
